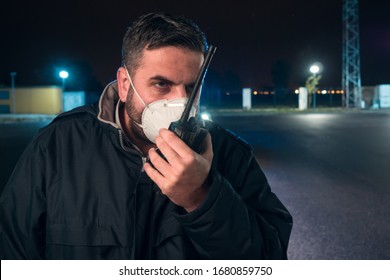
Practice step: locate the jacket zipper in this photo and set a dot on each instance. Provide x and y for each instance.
(144, 159)
(133, 253)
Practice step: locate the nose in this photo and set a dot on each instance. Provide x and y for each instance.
(181, 92)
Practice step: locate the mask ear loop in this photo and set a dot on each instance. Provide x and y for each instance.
(132, 85)
(136, 93)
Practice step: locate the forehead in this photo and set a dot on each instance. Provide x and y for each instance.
(178, 64)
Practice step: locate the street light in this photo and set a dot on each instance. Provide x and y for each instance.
(312, 81)
(63, 75)
(314, 69)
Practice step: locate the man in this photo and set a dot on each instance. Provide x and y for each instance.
(85, 189)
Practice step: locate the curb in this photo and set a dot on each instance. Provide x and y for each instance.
(22, 118)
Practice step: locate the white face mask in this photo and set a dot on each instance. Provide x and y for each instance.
(159, 114)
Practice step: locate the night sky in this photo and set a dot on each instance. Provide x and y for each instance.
(252, 36)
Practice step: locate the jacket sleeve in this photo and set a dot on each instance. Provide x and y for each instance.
(241, 218)
(22, 210)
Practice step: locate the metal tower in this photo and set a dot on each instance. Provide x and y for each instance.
(351, 81)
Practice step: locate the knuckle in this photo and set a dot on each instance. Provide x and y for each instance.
(176, 172)
(190, 159)
(175, 181)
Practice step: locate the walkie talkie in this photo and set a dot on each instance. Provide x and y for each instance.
(193, 131)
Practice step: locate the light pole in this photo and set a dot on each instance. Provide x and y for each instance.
(63, 75)
(13, 74)
(314, 69)
(312, 81)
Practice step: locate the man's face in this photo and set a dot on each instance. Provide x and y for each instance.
(164, 73)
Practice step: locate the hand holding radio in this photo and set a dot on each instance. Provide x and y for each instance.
(182, 174)
(181, 164)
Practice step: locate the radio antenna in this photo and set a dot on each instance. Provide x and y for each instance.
(198, 82)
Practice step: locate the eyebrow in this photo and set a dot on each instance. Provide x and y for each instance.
(161, 78)
(166, 80)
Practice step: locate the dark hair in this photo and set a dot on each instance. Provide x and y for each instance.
(156, 30)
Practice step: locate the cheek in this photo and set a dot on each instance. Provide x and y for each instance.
(134, 110)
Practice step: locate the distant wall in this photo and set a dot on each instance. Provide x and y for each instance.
(73, 99)
(368, 96)
(32, 100)
(382, 96)
(4, 101)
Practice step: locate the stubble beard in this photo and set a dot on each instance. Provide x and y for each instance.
(134, 117)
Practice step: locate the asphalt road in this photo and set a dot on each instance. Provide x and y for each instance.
(331, 170)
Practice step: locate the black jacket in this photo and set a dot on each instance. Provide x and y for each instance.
(79, 192)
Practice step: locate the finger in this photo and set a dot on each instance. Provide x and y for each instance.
(159, 163)
(154, 175)
(170, 154)
(174, 141)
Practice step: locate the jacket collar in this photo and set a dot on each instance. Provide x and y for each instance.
(108, 113)
(107, 104)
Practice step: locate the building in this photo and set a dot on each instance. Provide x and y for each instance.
(39, 100)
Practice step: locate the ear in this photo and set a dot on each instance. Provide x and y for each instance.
(123, 83)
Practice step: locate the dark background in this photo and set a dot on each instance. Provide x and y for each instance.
(259, 42)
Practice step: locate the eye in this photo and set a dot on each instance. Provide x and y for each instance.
(189, 89)
(161, 84)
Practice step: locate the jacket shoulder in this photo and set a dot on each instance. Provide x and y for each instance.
(77, 115)
(223, 136)
(78, 119)
(79, 112)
